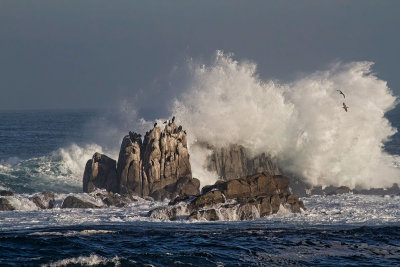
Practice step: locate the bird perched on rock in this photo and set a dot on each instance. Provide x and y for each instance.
(173, 119)
(155, 124)
(340, 92)
(131, 135)
(345, 107)
(165, 122)
(180, 128)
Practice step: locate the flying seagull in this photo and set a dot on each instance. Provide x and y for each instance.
(345, 107)
(340, 92)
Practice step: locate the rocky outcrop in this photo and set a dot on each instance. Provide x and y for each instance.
(72, 202)
(158, 166)
(6, 193)
(5, 204)
(245, 198)
(44, 200)
(234, 161)
(154, 166)
(100, 172)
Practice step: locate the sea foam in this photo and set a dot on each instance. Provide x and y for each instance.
(302, 124)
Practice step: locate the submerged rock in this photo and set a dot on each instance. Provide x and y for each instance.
(72, 202)
(5, 204)
(44, 200)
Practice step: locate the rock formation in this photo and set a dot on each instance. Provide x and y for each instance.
(100, 172)
(158, 166)
(5, 204)
(245, 198)
(234, 161)
(6, 193)
(72, 202)
(44, 200)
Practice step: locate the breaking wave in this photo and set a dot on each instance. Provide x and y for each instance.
(302, 123)
(92, 260)
(61, 171)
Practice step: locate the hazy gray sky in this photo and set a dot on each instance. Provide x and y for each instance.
(77, 54)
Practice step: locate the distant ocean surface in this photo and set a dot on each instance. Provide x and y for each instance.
(47, 150)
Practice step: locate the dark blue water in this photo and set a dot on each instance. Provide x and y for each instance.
(35, 133)
(206, 244)
(32, 138)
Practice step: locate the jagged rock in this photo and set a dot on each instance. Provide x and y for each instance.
(129, 168)
(185, 186)
(72, 202)
(208, 199)
(6, 193)
(253, 186)
(233, 162)
(113, 199)
(209, 215)
(5, 204)
(44, 200)
(171, 213)
(249, 197)
(159, 166)
(178, 199)
(100, 172)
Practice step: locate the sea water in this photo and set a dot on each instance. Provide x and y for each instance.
(47, 150)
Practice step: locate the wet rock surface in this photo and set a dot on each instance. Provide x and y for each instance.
(44, 200)
(5, 204)
(72, 202)
(247, 198)
(100, 172)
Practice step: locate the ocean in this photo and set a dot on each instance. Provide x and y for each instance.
(47, 150)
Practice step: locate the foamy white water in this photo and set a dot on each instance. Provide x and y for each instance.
(301, 123)
(346, 209)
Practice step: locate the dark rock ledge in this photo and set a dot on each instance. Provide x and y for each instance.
(245, 198)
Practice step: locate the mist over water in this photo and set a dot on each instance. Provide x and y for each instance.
(302, 124)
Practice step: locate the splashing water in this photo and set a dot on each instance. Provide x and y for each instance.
(301, 123)
(60, 171)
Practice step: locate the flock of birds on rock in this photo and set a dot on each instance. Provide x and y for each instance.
(344, 104)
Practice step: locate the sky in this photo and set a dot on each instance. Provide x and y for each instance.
(94, 54)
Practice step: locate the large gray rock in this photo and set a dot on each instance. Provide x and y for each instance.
(44, 200)
(100, 172)
(234, 161)
(5, 204)
(72, 202)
